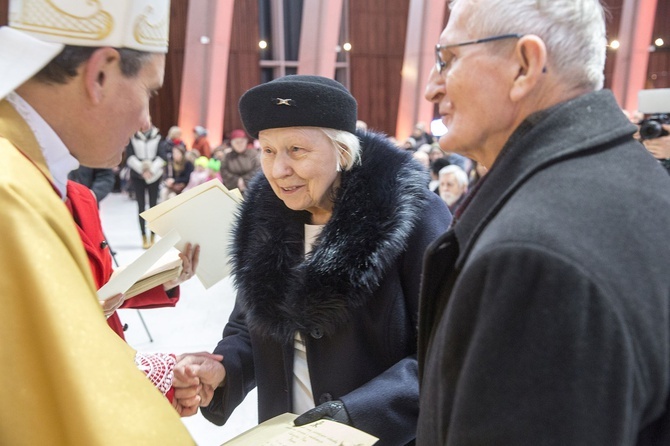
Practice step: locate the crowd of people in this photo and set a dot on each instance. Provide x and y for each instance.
(161, 168)
(511, 287)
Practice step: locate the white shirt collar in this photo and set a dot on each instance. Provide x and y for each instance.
(58, 158)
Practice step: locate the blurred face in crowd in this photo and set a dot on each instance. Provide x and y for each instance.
(423, 158)
(435, 153)
(239, 144)
(450, 189)
(472, 91)
(177, 155)
(301, 165)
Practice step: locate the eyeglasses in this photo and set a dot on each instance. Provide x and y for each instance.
(440, 60)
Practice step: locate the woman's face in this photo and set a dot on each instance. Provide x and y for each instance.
(177, 155)
(239, 144)
(301, 165)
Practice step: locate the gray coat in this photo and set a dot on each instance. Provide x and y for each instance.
(544, 313)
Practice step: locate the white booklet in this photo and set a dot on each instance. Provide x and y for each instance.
(203, 215)
(280, 431)
(126, 278)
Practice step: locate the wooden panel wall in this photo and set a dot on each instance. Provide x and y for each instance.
(4, 8)
(377, 33)
(614, 8)
(659, 61)
(243, 64)
(165, 107)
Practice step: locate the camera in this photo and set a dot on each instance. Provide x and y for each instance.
(656, 104)
(652, 127)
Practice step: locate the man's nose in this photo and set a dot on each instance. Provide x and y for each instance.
(146, 124)
(435, 87)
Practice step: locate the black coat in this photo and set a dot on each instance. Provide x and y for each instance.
(354, 299)
(545, 311)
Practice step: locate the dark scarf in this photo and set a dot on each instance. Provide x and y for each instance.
(375, 210)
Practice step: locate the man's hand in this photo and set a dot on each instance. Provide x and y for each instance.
(190, 259)
(332, 410)
(659, 147)
(196, 376)
(111, 304)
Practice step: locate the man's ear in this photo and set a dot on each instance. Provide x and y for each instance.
(531, 55)
(97, 70)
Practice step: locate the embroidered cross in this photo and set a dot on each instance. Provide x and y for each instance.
(280, 101)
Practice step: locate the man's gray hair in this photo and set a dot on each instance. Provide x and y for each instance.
(348, 146)
(572, 30)
(457, 171)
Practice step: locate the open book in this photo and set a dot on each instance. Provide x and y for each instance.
(280, 431)
(167, 268)
(125, 278)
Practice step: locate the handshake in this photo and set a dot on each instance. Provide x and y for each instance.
(198, 375)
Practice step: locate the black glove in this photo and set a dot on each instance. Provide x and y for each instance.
(332, 410)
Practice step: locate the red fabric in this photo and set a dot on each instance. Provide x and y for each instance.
(201, 144)
(170, 395)
(84, 208)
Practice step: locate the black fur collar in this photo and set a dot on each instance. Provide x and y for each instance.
(375, 210)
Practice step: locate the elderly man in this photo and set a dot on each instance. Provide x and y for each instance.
(545, 308)
(453, 186)
(75, 83)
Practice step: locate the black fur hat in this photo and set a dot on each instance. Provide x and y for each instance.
(296, 101)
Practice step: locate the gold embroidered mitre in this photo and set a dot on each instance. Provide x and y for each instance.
(138, 24)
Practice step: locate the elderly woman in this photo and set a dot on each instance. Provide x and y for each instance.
(327, 257)
(240, 164)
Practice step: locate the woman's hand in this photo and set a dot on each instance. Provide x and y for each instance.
(190, 259)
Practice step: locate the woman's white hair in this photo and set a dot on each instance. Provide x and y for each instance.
(348, 146)
(572, 30)
(173, 132)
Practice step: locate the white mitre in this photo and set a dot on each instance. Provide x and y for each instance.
(39, 29)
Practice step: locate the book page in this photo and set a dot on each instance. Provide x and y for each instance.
(203, 215)
(121, 282)
(280, 431)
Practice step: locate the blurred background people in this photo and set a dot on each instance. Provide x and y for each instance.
(100, 181)
(177, 173)
(423, 158)
(173, 139)
(435, 166)
(200, 174)
(146, 158)
(201, 143)
(453, 186)
(241, 163)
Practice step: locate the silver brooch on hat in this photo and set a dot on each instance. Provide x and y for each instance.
(280, 101)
